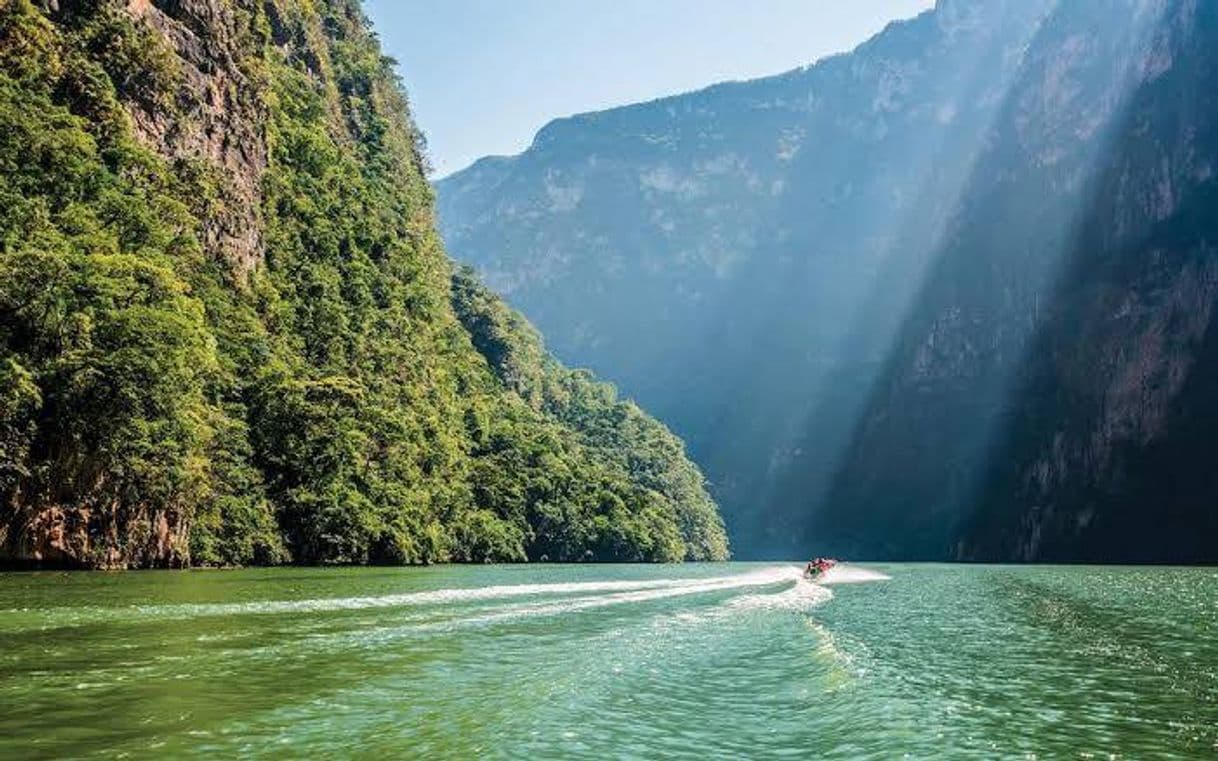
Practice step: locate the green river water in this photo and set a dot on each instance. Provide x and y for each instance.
(708, 661)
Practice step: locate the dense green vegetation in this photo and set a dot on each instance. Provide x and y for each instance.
(158, 406)
(635, 447)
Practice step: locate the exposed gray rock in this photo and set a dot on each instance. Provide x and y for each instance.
(942, 296)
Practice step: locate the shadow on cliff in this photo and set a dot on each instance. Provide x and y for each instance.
(936, 424)
(1109, 452)
(820, 388)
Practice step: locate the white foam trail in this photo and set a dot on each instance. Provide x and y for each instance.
(681, 588)
(431, 597)
(696, 586)
(466, 594)
(800, 598)
(849, 574)
(80, 616)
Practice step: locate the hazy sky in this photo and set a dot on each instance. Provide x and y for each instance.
(485, 75)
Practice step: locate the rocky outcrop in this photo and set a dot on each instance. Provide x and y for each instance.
(208, 115)
(103, 537)
(217, 120)
(929, 445)
(1116, 458)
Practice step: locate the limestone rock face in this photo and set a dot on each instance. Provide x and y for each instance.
(948, 295)
(219, 116)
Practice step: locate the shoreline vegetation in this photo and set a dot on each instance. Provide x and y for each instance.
(230, 336)
(10, 567)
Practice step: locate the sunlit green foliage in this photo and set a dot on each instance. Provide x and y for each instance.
(329, 408)
(631, 446)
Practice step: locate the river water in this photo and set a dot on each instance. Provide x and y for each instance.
(718, 660)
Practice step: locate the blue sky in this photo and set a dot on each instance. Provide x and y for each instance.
(485, 75)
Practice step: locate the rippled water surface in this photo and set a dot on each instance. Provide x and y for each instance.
(611, 661)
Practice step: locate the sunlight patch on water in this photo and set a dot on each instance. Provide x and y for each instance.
(842, 668)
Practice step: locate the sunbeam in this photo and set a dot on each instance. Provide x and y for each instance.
(898, 243)
(965, 337)
(1128, 303)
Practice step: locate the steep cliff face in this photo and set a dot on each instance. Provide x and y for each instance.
(963, 300)
(227, 328)
(1044, 373)
(221, 113)
(1106, 451)
(739, 258)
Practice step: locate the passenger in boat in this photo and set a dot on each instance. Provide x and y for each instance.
(817, 567)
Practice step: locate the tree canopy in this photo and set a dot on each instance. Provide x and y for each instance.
(346, 400)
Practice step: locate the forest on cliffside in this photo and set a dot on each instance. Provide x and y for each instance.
(229, 332)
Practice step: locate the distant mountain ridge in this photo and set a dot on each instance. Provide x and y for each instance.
(837, 283)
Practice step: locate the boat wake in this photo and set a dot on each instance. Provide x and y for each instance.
(773, 588)
(552, 598)
(674, 588)
(801, 597)
(850, 574)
